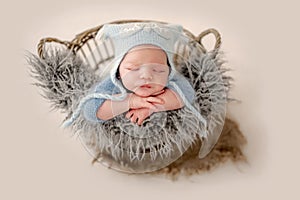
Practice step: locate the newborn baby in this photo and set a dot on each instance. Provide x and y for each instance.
(143, 78)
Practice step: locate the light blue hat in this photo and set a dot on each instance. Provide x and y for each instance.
(124, 37)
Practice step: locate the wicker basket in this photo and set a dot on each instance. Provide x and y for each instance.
(97, 54)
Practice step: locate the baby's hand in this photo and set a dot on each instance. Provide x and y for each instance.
(158, 93)
(172, 101)
(136, 102)
(138, 115)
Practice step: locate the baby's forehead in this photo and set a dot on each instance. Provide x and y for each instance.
(145, 54)
(147, 49)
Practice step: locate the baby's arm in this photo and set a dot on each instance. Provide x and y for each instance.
(171, 101)
(101, 109)
(110, 109)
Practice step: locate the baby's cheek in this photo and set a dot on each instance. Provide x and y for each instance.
(165, 79)
(128, 81)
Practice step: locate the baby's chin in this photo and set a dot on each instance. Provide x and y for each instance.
(146, 92)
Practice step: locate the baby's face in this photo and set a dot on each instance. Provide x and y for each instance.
(144, 70)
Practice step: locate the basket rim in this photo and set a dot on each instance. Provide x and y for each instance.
(80, 39)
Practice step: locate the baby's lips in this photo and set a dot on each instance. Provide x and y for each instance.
(145, 86)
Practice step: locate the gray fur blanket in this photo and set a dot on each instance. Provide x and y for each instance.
(64, 79)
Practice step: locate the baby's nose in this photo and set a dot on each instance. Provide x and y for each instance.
(146, 74)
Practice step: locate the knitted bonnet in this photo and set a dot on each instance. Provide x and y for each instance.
(124, 37)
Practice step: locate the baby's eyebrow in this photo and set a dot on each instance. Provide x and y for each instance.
(160, 65)
(130, 64)
(136, 64)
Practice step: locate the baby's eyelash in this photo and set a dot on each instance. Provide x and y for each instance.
(132, 69)
(159, 71)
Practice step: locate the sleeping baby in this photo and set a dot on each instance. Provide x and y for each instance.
(143, 78)
(144, 73)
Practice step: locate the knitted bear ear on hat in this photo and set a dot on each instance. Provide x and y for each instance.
(126, 36)
(125, 30)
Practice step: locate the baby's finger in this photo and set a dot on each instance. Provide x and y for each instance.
(150, 106)
(155, 100)
(160, 92)
(157, 93)
(129, 114)
(133, 119)
(140, 121)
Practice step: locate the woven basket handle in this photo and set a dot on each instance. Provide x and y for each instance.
(209, 31)
(43, 41)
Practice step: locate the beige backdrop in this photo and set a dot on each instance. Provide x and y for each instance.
(39, 160)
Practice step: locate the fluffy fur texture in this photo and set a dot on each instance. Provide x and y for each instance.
(227, 148)
(62, 77)
(65, 79)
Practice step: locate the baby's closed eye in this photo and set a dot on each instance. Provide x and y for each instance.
(159, 70)
(132, 68)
